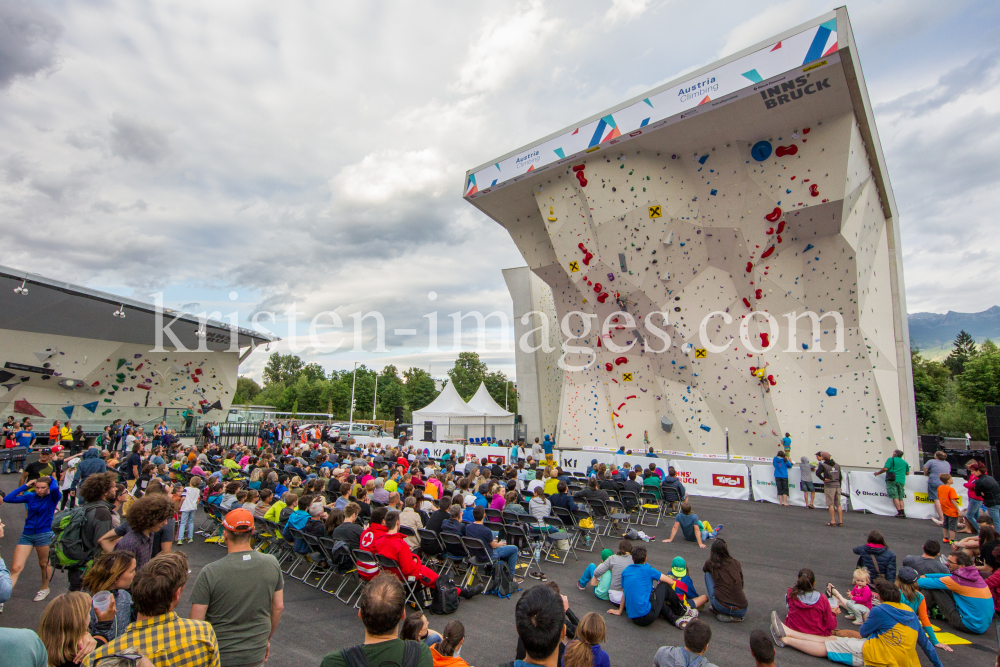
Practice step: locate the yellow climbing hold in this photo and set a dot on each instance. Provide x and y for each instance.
(552, 215)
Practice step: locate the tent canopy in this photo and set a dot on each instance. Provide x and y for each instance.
(447, 404)
(482, 402)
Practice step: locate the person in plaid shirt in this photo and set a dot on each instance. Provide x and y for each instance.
(158, 633)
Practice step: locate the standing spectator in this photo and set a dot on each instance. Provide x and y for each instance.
(976, 469)
(241, 595)
(23, 439)
(724, 581)
(63, 629)
(90, 464)
(643, 603)
(896, 469)
(42, 498)
(98, 496)
(828, 470)
(786, 443)
(381, 608)
(933, 469)
(133, 465)
(43, 466)
(54, 433)
(876, 557)
(987, 488)
(947, 501)
(539, 618)
(158, 632)
(806, 485)
(781, 465)
(147, 515)
(114, 573)
(189, 505)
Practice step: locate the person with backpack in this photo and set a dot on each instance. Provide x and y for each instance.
(381, 608)
(42, 498)
(77, 531)
(876, 557)
(896, 469)
(828, 470)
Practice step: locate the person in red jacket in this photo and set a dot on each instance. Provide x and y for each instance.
(376, 529)
(392, 544)
(809, 611)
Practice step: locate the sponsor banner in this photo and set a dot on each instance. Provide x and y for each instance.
(381, 442)
(765, 488)
(577, 460)
(437, 449)
(715, 479)
(868, 493)
(485, 451)
(781, 63)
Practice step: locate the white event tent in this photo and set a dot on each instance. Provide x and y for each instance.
(454, 418)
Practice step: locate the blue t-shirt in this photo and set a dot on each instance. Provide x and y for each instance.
(637, 586)
(688, 523)
(482, 533)
(786, 442)
(24, 438)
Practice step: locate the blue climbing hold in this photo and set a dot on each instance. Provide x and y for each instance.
(715, 192)
(761, 151)
(809, 247)
(702, 159)
(706, 428)
(831, 391)
(91, 406)
(818, 426)
(804, 346)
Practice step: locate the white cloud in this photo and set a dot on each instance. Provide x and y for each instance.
(392, 174)
(766, 23)
(625, 10)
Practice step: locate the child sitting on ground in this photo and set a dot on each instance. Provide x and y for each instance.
(694, 529)
(860, 604)
(697, 635)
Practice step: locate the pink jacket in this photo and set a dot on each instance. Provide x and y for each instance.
(814, 618)
(971, 485)
(862, 595)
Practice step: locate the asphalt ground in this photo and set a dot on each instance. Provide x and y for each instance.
(771, 542)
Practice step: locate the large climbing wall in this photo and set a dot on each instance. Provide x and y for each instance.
(723, 260)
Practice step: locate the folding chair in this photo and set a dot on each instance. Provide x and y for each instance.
(671, 498)
(387, 564)
(430, 545)
(455, 553)
(282, 549)
(333, 555)
(292, 535)
(475, 546)
(600, 514)
(616, 513)
(518, 535)
(363, 560)
(569, 524)
(630, 501)
(557, 533)
(589, 536)
(649, 506)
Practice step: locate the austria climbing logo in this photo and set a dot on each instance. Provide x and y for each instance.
(696, 90)
(729, 481)
(528, 160)
(789, 91)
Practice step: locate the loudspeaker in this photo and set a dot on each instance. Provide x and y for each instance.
(993, 425)
(429, 431)
(399, 414)
(517, 419)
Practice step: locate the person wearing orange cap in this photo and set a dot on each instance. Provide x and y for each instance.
(241, 595)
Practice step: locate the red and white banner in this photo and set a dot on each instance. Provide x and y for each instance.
(716, 479)
(483, 452)
(765, 488)
(868, 493)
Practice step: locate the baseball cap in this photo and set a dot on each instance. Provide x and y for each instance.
(606, 554)
(593, 461)
(678, 567)
(238, 521)
(49, 451)
(470, 501)
(908, 574)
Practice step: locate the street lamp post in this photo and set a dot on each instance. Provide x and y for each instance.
(375, 399)
(354, 382)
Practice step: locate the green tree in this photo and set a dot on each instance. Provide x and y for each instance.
(988, 347)
(930, 379)
(284, 368)
(467, 374)
(313, 372)
(965, 349)
(501, 389)
(271, 395)
(420, 390)
(980, 383)
(246, 391)
(391, 392)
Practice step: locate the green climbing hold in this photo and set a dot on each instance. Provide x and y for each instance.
(106, 412)
(121, 362)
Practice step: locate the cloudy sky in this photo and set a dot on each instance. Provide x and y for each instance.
(248, 156)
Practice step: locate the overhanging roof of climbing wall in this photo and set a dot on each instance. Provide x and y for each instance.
(56, 307)
(808, 72)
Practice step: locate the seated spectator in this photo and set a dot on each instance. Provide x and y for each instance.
(606, 578)
(437, 518)
(962, 596)
(499, 500)
(512, 504)
(684, 585)
(592, 492)
(499, 549)
(859, 604)
(454, 524)
(539, 506)
(63, 629)
(446, 651)
(633, 484)
(809, 611)
(692, 527)
(114, 573)
(229, 496)
(561, 499)
(890, 636)
(724, 581)
(539, 618)
(157, 630)
(762, 649)
(642, 602)
(876, 557)
(409, 517)
(674, 482)
(345, 496)
(417, 628)
(264, 503)
(585, 650)
(363, 505)
(468, 503)
(381, 608)
(697, 636)
(927, 562)
(910, 595)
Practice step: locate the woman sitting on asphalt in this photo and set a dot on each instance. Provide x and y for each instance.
(724, 581)
(809, 611)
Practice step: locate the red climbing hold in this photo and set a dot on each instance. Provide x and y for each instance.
(767, 253)
(779, 238)
(583, 181)
(628, 436)
(628, 397)
(602, 297)
(621, 360)
(773, 215)
(753, 369)
(586, 258)
(805, 130)
(597, 288)
(579, 167)
(759, 293)
(766, 339)
(749, 267)
(620, 406)
(786, 150)
(814, 190)
(770, 230)
(746, 302)
(781, 226)
(581, 247)
(608, 366)
(770, 378)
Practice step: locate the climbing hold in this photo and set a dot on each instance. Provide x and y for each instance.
(579, 167)
(552, 217)
(602, 297)
(611, 277)
(809, 247)
(773, 215)
(765, 339)
(621, 360)
(779, 238)
(781, 226)
(581, 247)
(786, 150)
(767, 253)
(761, 151)
(814, 190)
(758, 293)
(597, 288)
(586, 258)
(749, 267)
(753, 370)
(705, 428)
(831, 391)
(771, 380)
(746, 302)
(608, 366)
(805, 130)
(770, 230)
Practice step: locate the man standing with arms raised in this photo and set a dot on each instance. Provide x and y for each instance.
(241, 595)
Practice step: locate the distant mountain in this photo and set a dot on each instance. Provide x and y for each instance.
(933, 331)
